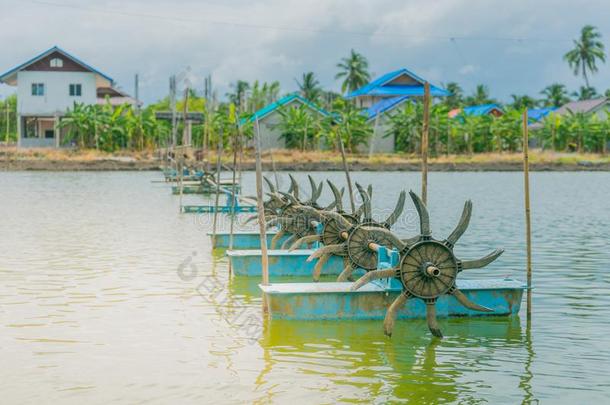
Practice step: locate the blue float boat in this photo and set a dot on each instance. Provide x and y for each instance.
(335, 300)
(242, 240)
(281, 263)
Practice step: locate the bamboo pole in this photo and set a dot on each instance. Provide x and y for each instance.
(261, 211)
(528, 225)
(346, 170)
(275, 176)
(374, 139)
(218, 162)
(236, 140)
(424, 144)
(180, 177)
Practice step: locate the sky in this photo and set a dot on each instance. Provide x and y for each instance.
(513, 47)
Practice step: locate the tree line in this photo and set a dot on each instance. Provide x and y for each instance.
(111, 128)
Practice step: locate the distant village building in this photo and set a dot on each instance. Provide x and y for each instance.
(598, 106)
(269, 119)
(47, 86)
(478, 110)
(382, 96)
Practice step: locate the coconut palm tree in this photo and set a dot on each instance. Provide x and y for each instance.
(588, 49)
(555, 95)
(309, 86)
(355, 71)
(240, 88)
(521, 102)
(480, 96)
(456, 95)
(585, 93)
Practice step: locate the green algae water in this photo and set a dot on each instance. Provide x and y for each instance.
(108, 294)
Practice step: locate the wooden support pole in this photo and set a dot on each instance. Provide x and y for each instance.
(261, 210)
(528, 225)
(236, 141)
(180, 178)
(346, 170)
(275, 176)
(424, 144)
(218, 168)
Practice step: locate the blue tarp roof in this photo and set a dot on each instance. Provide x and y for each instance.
(260, 114)
(380, 86)
(384, 105)
(536, 114)
(483, 109)
(49, 51)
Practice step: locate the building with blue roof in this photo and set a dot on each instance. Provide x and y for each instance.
(269, 119)
(386, 94)
(47, 86)
(478, 110)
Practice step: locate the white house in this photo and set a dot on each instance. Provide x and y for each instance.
(47, 86)
(269, 119)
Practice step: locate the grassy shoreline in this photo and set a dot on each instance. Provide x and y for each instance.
(12, 159)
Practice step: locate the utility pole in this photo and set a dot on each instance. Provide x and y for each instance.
(172, 104)
(136, 92)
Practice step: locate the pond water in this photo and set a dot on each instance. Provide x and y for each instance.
(108, 294)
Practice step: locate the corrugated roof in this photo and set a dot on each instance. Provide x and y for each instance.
(384, 105)
(475, 110)
(582, 106)
(536, 114)
(380, 86)
(260, 114)
(47, 52)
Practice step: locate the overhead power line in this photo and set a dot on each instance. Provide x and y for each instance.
(174, 18)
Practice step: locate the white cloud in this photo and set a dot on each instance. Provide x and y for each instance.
(280, 39)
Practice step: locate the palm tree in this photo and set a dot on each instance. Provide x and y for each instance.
(585, 93)
(456, 95)
(240, 88)
(521, 102)
(588, 49)
(355, 70)
(480, 96)
(555, 94)
(309, 86)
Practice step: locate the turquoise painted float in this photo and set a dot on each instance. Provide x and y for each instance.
(242, 240)
(281, 263)
(232, 205)
(336, 300)
(198, 189)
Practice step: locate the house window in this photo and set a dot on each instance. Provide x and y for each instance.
(57, 63)
(38, 89)
(76, 90)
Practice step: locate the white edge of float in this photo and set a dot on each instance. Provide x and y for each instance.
(271, 252)
(344, 287)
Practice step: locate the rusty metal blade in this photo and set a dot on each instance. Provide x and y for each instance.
(346, 274)
(276, 238)
(373, 275)
(483, 261)
(431, 319)
(317, 270)
(462, 299)
(396, 242)
(337, 195)
(304, 240)
(294, 187)
(269, 184)
(390, 316)
(400, 205)
(424, 216)
(330, 249)
(462, 224)
(366, 202)
(287, 242)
